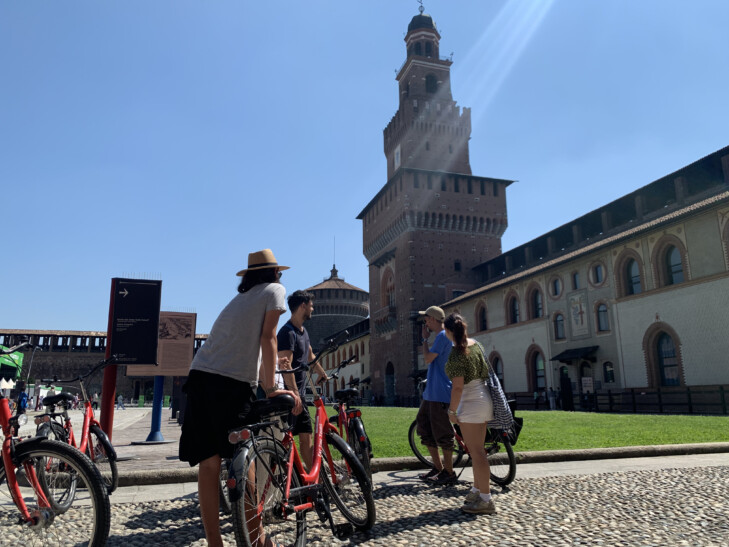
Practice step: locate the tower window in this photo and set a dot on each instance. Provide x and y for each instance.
(418, 48)
(457, 265)
(442, 185)
(428, 49)
(456, 186)
(431, 83)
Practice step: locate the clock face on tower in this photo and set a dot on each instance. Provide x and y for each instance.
(397, 157)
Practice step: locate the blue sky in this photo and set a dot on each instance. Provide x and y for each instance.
(168, 139)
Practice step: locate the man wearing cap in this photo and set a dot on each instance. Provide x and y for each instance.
(434, 427)
(226, 368)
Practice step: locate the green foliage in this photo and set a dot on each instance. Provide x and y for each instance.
(556, 430)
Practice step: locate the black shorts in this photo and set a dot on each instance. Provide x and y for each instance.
(302, 422)
(214, 406)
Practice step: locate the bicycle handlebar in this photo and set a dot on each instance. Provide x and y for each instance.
(80, 377)
(331, 345)
(16, 348)
(343, 364)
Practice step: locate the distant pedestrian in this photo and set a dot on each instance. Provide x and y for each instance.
(120, 402)
(22, 402)
(552, 396)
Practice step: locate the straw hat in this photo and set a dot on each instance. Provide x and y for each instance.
(261, 260)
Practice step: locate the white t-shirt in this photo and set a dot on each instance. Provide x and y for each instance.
(233, 347)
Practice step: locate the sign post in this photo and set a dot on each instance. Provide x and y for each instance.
(131, 334)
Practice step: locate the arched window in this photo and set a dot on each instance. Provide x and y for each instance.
(633, 283)
(559, 327)
(513, 310)
(673, 266)
(431, 83)
(575, 280)
(418, 48)
(428, 49)
(498, 367)
(667, 359)
(481, 318)
(388, 289)
(670, 263)
(537, 306)
(555, 287)
(538, 370)
(608, 372)
(598, 274)
(603, 324)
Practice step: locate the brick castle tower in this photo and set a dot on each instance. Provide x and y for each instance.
(432, 221)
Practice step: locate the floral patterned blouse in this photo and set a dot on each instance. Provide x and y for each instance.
(471, 366)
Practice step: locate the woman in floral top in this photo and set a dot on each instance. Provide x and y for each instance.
(471, 407)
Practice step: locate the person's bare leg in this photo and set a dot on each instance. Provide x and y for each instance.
(208, 497)
(474, 434)
(435, 456)
(305, 448)
(448, 460)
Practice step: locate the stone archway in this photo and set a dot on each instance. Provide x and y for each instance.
(390, 384)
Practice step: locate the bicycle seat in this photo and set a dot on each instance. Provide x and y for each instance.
(343, 395)
(279, 405)
(55, 399)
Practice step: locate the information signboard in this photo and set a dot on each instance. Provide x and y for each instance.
(134, 325)
(175, 349)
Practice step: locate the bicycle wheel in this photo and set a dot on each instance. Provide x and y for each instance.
(103, 456)
(87, 522)
(60, 498)
(259, 512)
(421, 451)
(502, 461)
(223, 489)
(348, 484)
(360, 444)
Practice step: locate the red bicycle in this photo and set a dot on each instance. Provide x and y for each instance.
(38, 471)
(93, 441)
(349, 420)
(270, 490)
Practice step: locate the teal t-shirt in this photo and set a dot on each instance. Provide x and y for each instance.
(438, 387)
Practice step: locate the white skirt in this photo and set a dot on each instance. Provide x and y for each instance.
(476, 406)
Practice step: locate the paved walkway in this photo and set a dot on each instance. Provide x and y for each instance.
(647, 501)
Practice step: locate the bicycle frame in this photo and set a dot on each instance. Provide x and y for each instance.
(321, 427)
(88, 411)
(10, 476)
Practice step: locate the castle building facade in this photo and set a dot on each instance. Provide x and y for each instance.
(633, 295)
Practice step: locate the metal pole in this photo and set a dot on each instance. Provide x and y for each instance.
(155, 434)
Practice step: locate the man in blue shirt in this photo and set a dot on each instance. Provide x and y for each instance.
(434, 427)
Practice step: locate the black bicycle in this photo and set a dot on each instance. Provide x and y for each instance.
(497, 444)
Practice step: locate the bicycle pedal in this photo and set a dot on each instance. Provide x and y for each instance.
(343, 531)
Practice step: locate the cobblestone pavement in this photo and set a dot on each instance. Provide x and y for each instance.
(665, 507)
(683, 503)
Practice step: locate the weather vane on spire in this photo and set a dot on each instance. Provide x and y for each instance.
(421, 9)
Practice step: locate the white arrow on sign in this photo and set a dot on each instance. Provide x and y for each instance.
(124, 292)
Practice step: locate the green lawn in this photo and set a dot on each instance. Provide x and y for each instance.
(388, 430)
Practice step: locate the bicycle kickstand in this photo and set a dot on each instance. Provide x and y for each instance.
(340, 531)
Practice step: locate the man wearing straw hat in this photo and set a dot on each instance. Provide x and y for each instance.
(226, 368)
